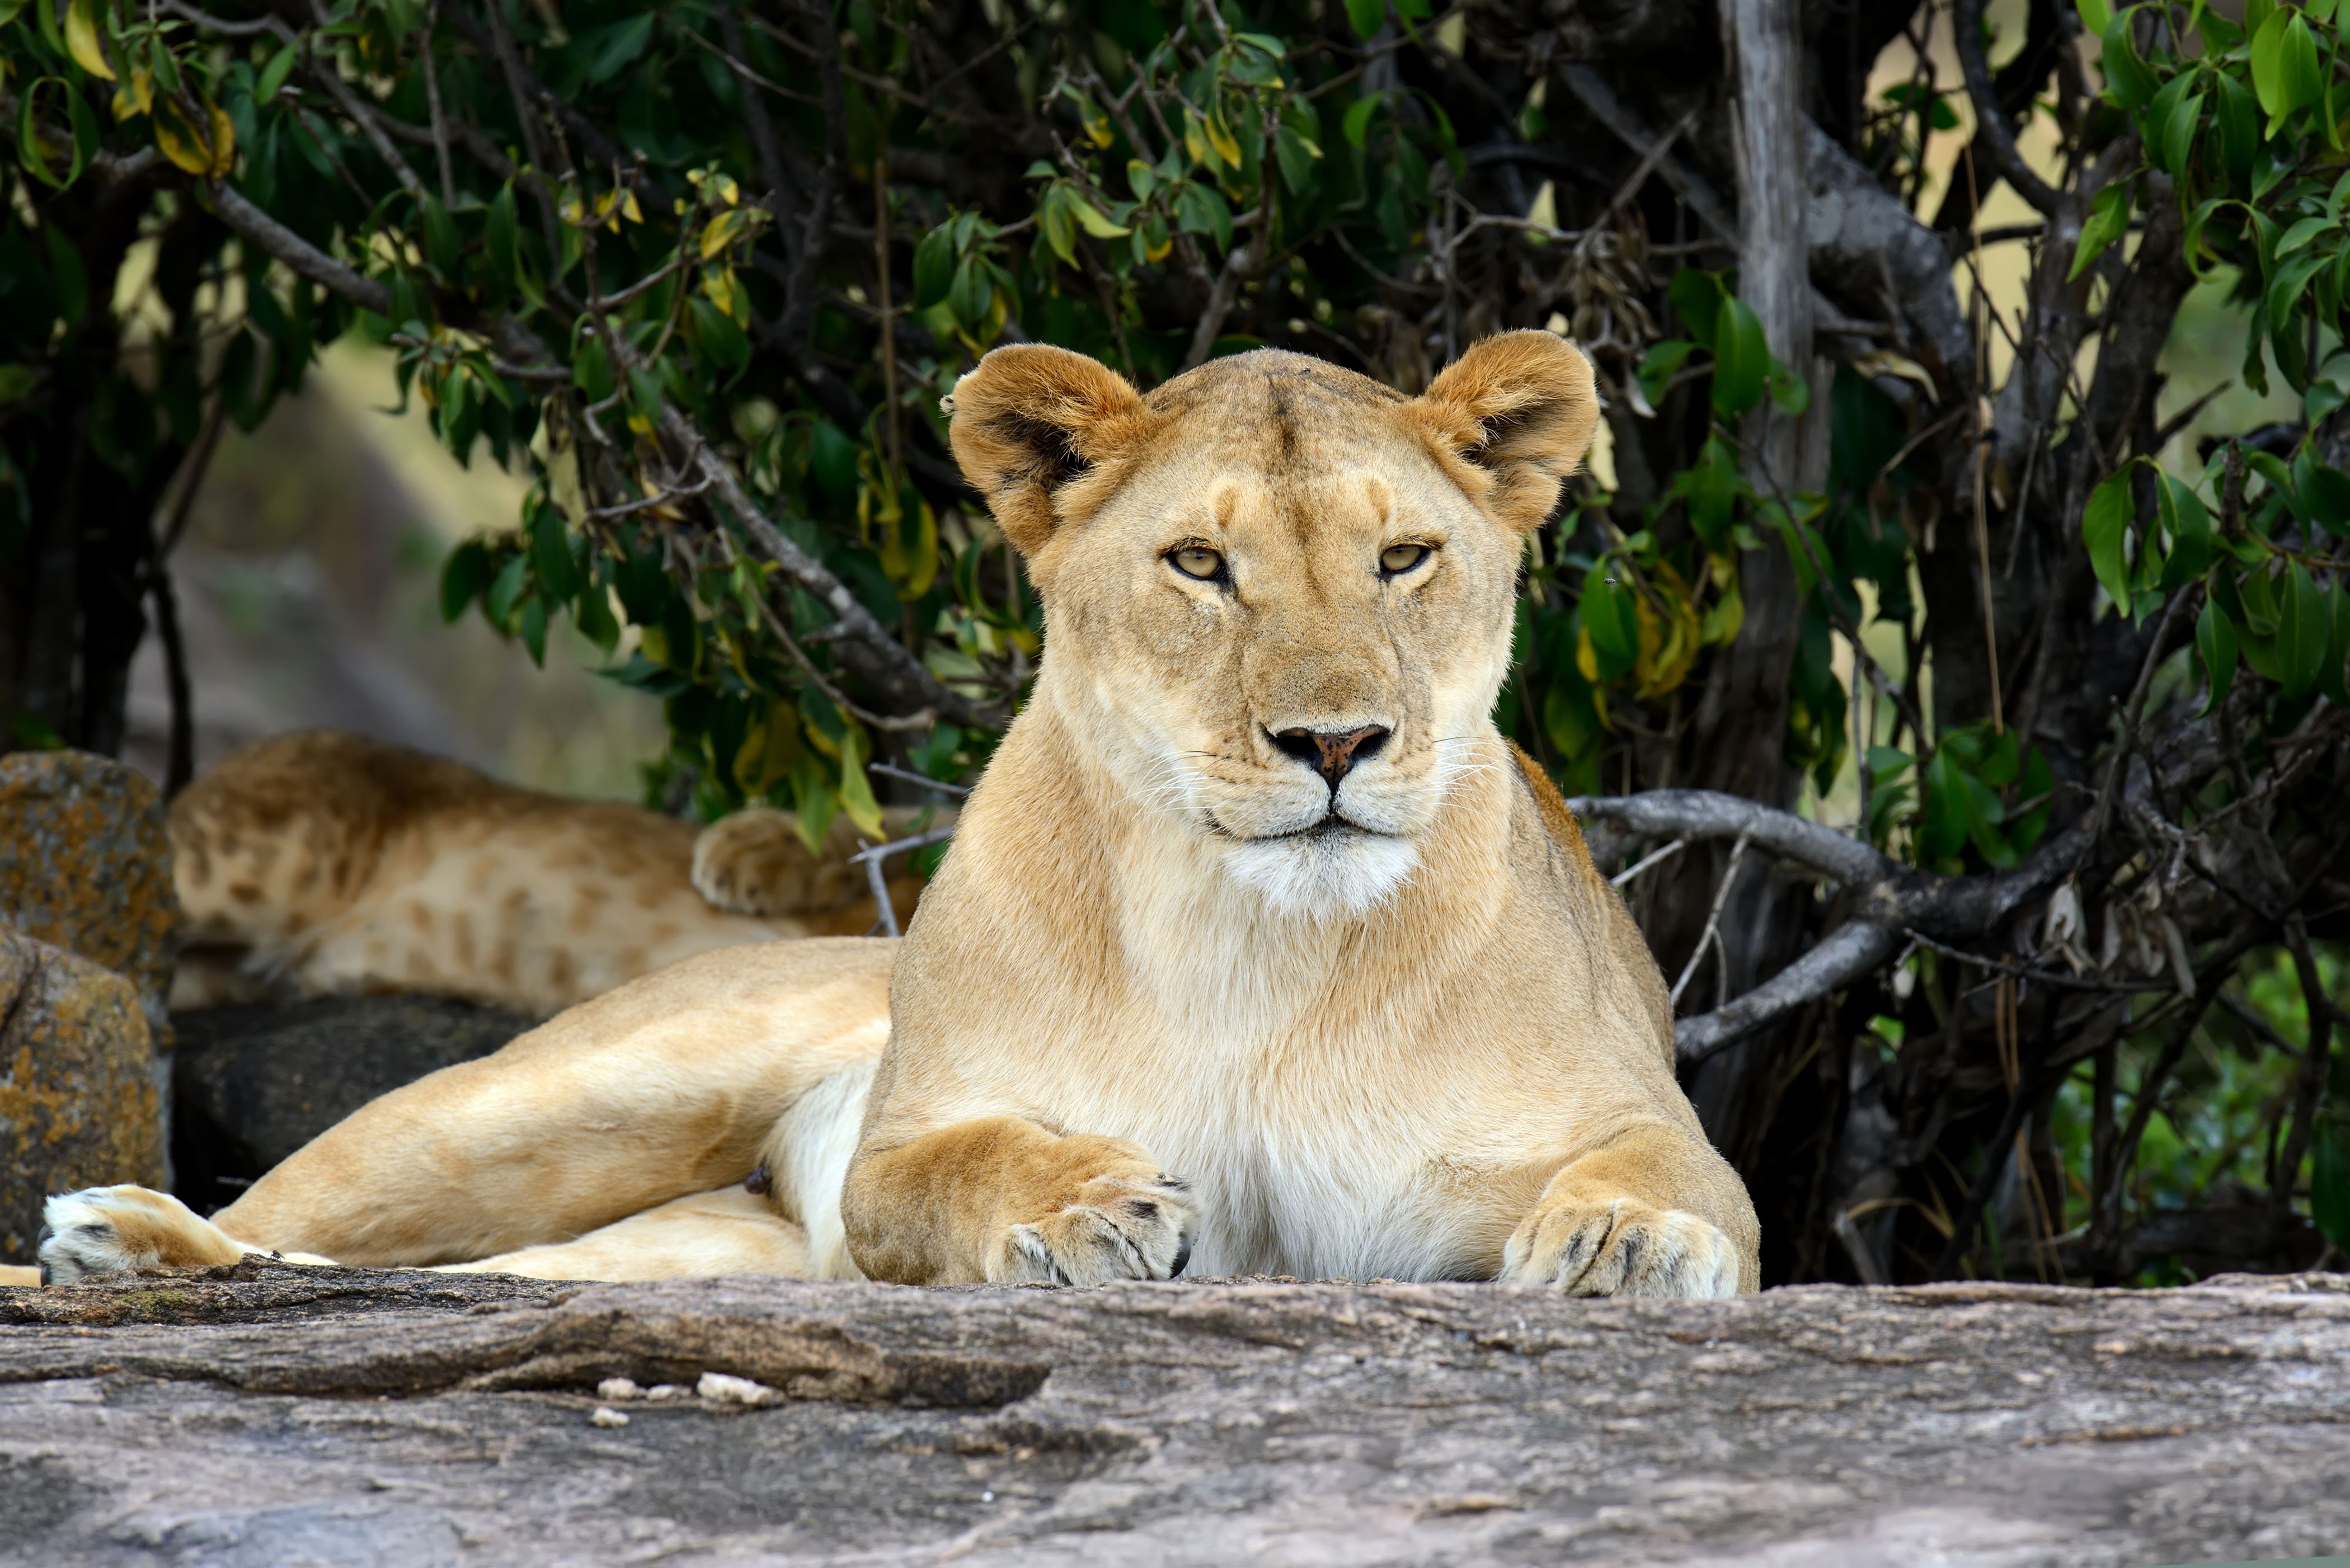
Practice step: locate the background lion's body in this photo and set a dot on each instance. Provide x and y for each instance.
(324, 863)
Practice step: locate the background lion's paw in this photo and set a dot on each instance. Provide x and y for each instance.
(753, 863)
(1122, 1228)
(1623, 1248)
(120, 1229)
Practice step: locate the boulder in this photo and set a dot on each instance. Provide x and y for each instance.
(85, 865)
(266, 1414)
(252, 1084)
(77, 1090)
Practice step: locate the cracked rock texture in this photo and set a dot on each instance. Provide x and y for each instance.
(78, 1086)
(85, 865)
(266, 1414)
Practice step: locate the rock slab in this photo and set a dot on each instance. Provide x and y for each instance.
(77, 1090)
(264, 1413)
(85, 865)
(252, 1084)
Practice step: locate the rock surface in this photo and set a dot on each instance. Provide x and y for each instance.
(265, 1414)
(252, 1084)
(85, 865)
(77, 1090)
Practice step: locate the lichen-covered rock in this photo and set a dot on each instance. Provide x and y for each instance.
(252, 1084)
(85, 865)
(79, 1105)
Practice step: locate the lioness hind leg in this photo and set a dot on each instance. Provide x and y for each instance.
(728, 1232)
(120, 1229)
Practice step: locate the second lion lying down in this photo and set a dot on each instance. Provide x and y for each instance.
(1259, 948)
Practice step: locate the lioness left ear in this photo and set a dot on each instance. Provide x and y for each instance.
(1518, 409)
(1034, 427)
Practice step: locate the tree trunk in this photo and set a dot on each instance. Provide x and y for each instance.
(1743, 719)
(359, 1418)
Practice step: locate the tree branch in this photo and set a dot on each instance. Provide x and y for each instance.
(1992, 132)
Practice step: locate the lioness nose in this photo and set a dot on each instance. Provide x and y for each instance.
(1333, 754)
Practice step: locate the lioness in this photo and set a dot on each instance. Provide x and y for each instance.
(1259, 949)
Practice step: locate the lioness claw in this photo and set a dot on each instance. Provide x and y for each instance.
(1622, 1247)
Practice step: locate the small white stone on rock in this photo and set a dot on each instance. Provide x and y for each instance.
(667, 1391)
(730, 1390)
(619, 1388)
(606, 1415)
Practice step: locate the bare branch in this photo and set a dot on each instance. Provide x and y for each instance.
(1992, 132)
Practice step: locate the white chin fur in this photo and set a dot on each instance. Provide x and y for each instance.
(1340, 874)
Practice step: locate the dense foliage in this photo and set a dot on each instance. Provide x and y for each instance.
(703, 272)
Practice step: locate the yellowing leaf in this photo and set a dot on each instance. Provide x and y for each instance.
(82, 41)
(629, 206)
(1227, 147)
(224, 141)
(719, 233)
(1096, 223)
(135, 96)
(181, 141)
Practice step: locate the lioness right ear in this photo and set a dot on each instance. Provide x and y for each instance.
(1034, 427)
(1516, 413)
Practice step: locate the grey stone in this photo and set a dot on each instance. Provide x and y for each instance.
(266, 1414)
(252, 1084)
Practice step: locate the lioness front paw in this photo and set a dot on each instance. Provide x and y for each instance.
(1129, 1224)
(1621, 1248)
(104, 1231)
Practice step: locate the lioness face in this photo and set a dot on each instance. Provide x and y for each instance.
(1279, 594)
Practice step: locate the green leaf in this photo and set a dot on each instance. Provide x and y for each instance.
(1790, 393)
(1612, 621)
(719, 335)
(2127, 80)
(971, 293)
(2215, 647)
(2178, 132)
(67, 277)
(1742, 360)
(934, 266)
(2304, 633)
(1697, 297)
(1658, 366)
(2329, 1180)
(500, 238)
(2108, 220)
(440, 233)
(2285, 72)
(1201, 209)
(466, 573)
(2095, 16)
(273, 75)
(2331, 681)
(1357, 126)
(2189, 523)
(534, 630)
(1367, 15)
(2322, 495)
(616, 45)
(2104, 530)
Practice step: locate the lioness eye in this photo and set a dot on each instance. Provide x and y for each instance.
(1398, 559)
(1195, 561)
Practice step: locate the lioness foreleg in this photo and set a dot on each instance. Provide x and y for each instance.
(121, 1230)
(1654, 1212)
(1002, 1200)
